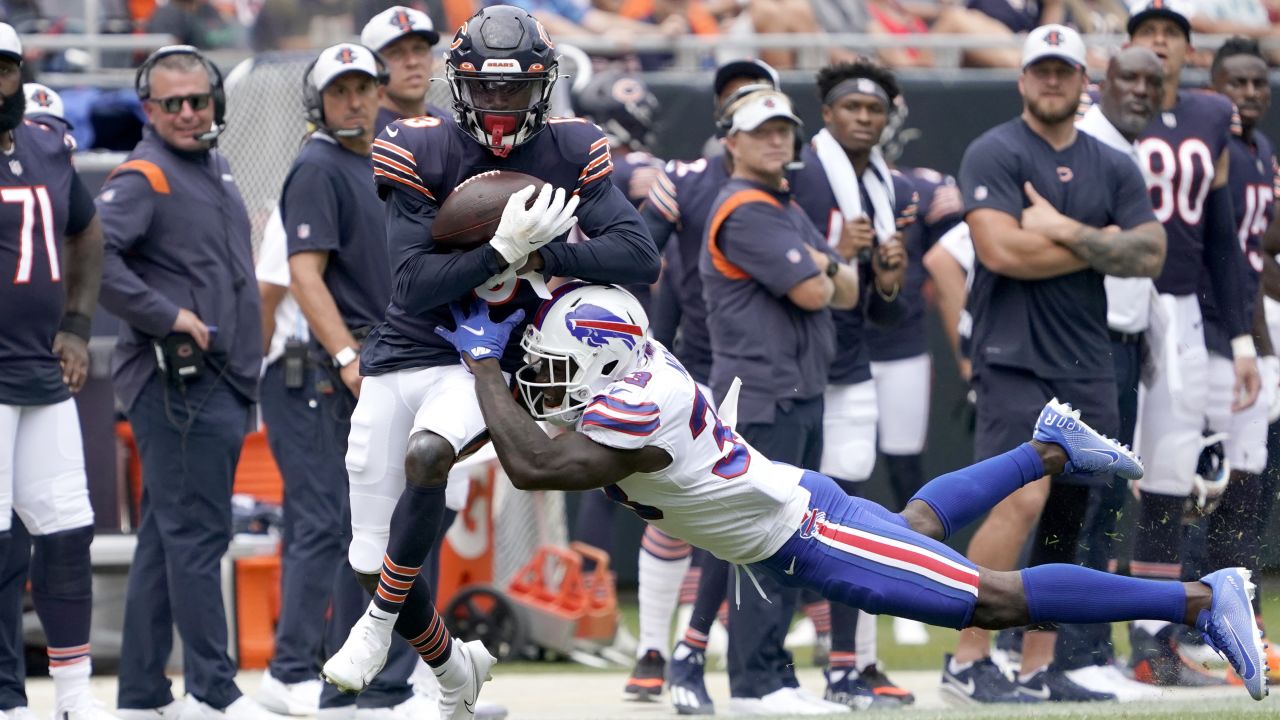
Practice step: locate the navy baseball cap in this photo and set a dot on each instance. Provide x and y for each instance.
(748, 68)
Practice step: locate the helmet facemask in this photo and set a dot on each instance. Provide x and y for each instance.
(501, 109)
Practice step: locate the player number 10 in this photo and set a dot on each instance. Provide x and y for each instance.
(29, 198)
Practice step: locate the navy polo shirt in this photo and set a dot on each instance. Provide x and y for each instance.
(756, 251)
(330, 204)
(1055, 327)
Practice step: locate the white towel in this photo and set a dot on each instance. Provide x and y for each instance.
(844, 183)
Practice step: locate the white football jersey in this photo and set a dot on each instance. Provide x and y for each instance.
(718, 493)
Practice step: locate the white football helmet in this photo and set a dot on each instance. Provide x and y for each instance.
(583, 338)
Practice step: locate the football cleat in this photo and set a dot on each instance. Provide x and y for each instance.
(845, 686)
(645, 683)
(1230, 627)
(299, 698)
(1051, 684)
(979, 682)
(1155, 660)
(1088, 451)
(1110, 679)
(880, 684)
(362, 656)
(688, 686)
(461, 677)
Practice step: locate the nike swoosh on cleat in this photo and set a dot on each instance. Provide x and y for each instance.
(472, 330)
(1042, 694)
(791, 569)
(1112, 454)
(470, 709)
(1250, 669)
(966, 687)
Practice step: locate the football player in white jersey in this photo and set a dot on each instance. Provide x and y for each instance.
(645, 434)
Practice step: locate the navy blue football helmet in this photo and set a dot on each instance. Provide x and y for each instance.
(501, 67)
(622, 105)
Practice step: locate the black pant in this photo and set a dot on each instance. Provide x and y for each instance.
(758, 662)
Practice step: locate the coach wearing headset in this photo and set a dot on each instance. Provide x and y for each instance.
(178, 272)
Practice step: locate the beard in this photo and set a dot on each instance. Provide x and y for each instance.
(1043, 112)
(11, 113)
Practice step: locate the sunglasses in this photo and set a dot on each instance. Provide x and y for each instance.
(174, 104)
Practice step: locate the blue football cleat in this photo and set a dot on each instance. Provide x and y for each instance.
(1231, 628)
(686, 682)
(1088, 451)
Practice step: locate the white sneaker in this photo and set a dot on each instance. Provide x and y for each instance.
(909, 632)
(22, 712)
(779, 702)
(86, 711)
(460, 679)
(417, 707)
(300, 698)
(490, 711)
(1111, 679)
(362, 656)
(424, 683)
(244, 708)
(172, 711)
(826, 706)
(345, 712)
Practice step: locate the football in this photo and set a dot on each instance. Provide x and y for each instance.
(471, 213)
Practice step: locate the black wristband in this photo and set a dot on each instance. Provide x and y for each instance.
(77, 324)
(833, 267)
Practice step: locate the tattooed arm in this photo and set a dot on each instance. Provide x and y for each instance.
(1137, 252)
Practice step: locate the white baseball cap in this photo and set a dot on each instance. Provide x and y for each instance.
(10, 44)
(1053, 41)
(755, 109)
(394, 23)
(42, 100)
(340, 60)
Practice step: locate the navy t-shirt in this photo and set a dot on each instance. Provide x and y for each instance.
(813, 193)
(940, 208)
(1056, 327)
(41, 201)
(679, 206)
(1179, 150)
(329, 204)
(417, 163)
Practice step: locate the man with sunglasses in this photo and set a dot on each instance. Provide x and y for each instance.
(179, 273)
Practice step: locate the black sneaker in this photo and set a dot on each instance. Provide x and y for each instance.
(1051, 684)
(645, 683)
(980, 682)
(883, 687)
(1155, 660)
(845, 686)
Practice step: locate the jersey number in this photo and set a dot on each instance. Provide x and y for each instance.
(738, 459)
(1257, 200)
(1164, 167)
(29, 198)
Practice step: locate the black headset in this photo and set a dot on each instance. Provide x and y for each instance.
(312, 99)
(142, 84)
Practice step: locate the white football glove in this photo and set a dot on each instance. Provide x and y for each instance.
(522, 231)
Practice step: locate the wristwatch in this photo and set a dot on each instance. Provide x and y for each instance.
(345, 357)
(833, 267)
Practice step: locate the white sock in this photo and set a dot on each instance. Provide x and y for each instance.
(866, 642)
(659, 593)
(1151, 626)
(71, 684)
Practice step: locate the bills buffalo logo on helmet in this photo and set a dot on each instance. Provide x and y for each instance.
(595, 326)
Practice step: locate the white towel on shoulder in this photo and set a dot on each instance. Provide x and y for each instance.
(845, 185)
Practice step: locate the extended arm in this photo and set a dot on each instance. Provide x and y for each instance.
(272, 296)
(534, 461)
(949, 280)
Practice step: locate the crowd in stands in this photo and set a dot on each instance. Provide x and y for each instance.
(265, 25)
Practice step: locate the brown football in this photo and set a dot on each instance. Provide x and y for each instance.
(471, 213)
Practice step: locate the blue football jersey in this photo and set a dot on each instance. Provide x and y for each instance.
(417, 164)
(1179, 151)
(813, 192)
(41, 201)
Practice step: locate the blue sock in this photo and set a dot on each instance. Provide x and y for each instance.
(1074, 594)
(958, 498)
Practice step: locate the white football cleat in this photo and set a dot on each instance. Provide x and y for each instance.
(172, 711)
(244, 708)
(460, 679)
(362, 656)
(417, 707)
